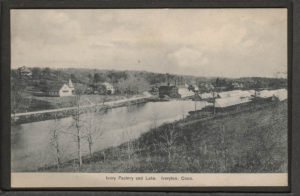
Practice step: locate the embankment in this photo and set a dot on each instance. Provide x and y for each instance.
(253, 140)
(65, 112)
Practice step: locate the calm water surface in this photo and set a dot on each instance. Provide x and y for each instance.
(32, 147)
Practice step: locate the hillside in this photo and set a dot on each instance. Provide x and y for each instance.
(24, 90)
(252, 141)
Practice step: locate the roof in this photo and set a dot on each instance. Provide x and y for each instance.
(184, 92)
(228, 93)
(71, 85)
(107, 85)
(195, 87)
(24, 69)
(230, 101)
(166, 87)
(206, 95)
(54, 86)
(281, 94)
(236, 93)
(267, 93)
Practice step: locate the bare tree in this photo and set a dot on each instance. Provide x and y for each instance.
(196, 98)
(130, 147)
(224, 146)
(91, 142)
(78, 122)
(195, 102)
(103, 98)
(182, 109)
(54, 140)
(167, 140)
(128, 135)
(78, 128)
(214, 102)
(154, 118)
(92, 131)
(19, 103)
(132, 85)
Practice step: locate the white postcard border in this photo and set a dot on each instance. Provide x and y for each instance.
(63, 180)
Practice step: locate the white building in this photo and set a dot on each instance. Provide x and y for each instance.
(71, 86)
(109, 88)
(24, 71)
(184, 92)
(236, 93)
(60, 89)
(207, 95)
(196, 89)
(230, 101)
(281, 94)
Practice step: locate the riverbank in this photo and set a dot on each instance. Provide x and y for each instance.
(36, 116)
(253, 140)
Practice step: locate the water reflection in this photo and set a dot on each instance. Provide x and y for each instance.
(31, 146)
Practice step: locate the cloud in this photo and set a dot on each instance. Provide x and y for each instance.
(187, 58)
(206, 42)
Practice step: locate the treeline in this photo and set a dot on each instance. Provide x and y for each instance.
(124, 82)
(133, 82)
(259, 82)
(245, 83)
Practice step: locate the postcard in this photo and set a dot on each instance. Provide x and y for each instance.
(149, 97)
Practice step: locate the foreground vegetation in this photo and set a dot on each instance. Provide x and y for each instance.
(252, 141)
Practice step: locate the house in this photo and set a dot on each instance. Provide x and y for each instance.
(154, 90)
(237, 85)
(110, 90)
(209, 95)
(196, 89)
(171, 91)
(193, 87)
(184, 92)
(280, 94)
(71, 86)
(60, 89)
(24, 71)
(206, 87)
(104, 88)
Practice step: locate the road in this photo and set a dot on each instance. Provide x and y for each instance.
(110, 103)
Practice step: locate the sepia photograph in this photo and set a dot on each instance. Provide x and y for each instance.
(149, 97)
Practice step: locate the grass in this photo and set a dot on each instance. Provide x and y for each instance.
(35, 103)
(252, 141)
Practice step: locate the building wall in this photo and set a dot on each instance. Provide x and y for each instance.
(109, 88)
(52, 93)
(65, 91)
(170, 91)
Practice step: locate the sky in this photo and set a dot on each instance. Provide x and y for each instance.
(200, 42)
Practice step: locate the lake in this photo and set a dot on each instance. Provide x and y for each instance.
(32, 147)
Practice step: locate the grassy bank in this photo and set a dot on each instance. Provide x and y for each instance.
(30, 103)
(65, 112)
(250, 141)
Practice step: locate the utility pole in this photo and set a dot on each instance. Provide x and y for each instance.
(224, 147)
(214, 102)
(195, 103)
